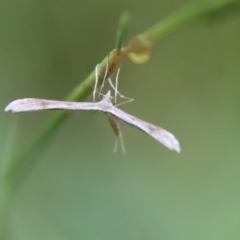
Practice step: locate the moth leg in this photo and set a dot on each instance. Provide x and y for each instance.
(116, 92)
(96, 83)
(104, 79)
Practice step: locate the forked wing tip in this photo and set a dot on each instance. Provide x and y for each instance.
(15, 106)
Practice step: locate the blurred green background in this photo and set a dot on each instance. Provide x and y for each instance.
(79, 189)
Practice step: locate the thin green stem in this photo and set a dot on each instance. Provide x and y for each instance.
(185, 16)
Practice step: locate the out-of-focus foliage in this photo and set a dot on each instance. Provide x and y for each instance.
(79, 189)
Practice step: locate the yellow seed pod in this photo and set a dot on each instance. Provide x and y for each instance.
(140, 50)
(140, 57)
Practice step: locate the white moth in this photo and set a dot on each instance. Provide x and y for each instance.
(106, 106)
